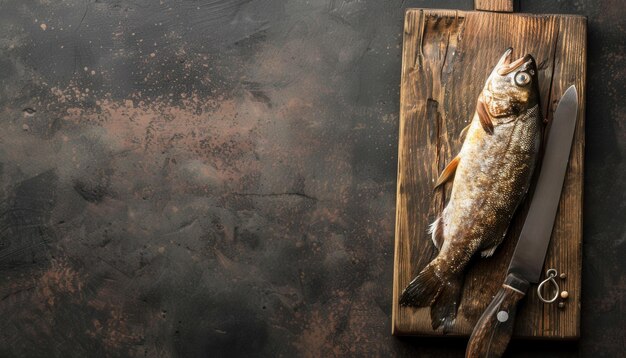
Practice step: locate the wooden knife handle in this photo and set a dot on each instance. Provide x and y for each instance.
(493, 331)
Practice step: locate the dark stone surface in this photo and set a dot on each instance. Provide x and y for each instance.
(217, 178)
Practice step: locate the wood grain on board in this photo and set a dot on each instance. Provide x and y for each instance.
(494, 5)
(447, 55)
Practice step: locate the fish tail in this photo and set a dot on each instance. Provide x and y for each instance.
(437, 289)
(443, 310)
(424, 288)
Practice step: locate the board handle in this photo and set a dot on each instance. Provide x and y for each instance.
(494, 5)
(494, 329)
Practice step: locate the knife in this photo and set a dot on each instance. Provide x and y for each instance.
(493, 331)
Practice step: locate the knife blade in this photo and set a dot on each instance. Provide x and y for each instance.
(493, 330)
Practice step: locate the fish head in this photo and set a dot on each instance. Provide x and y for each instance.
(512, 87)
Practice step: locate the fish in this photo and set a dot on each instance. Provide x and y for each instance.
(490, 177)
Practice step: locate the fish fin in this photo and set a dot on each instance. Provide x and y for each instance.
(436, 229)
(443, 310)
(464, 132)
(424, 288)
(488, 252)
(483, 116)
(448, 172)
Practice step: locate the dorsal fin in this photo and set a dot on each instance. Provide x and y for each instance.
(448, 172)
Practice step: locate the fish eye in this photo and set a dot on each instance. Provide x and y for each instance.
(522, 78)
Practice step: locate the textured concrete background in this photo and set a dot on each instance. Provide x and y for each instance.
(217, 178)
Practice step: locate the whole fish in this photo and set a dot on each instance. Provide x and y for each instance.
(491, 173)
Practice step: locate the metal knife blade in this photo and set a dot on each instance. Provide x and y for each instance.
(530, 252)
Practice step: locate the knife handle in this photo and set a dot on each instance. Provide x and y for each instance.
(493, 331)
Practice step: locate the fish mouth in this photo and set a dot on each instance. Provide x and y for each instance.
(505, 66)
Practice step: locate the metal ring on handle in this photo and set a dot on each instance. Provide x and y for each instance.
(552, 273)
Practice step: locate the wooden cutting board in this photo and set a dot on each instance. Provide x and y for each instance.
(447, 56)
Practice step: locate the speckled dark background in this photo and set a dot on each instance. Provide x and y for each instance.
(217, 177)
